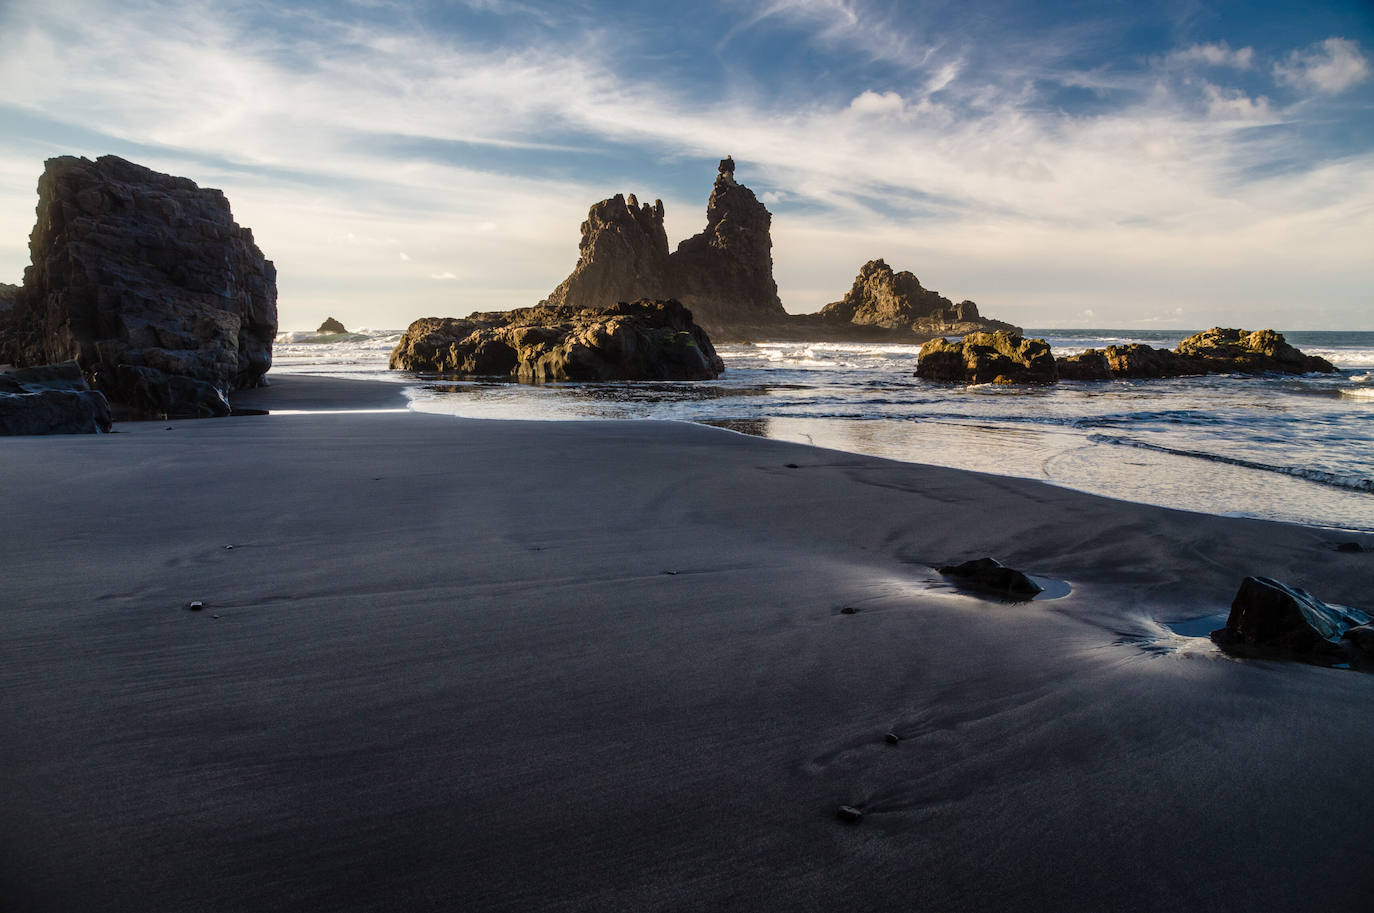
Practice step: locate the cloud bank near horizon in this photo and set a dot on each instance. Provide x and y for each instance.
(401, 159)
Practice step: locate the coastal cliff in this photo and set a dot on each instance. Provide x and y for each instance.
(145, 281)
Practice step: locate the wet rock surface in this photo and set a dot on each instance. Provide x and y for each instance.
(1272, 620)
(146, 281)
(51, 399)
(988, 358)
(990, 576)
(641, 340)
(1215, 351)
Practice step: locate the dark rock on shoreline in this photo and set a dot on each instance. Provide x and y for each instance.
(1089, 365)
(988, 358)
(641, 340)
(146, 281)
(1272, 620)
(989, 575)
(331, 327)
(51, 399)
(724, 275)
(898, 301)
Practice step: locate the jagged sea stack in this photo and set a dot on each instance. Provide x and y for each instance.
(146, 281)
(724, 274)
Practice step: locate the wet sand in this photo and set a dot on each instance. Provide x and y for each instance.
(469, 665)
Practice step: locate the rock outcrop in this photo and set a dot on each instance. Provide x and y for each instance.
(145, 281)
(8, 295)
(1272, 620)
(641, 340)
(331, 327)
(724, 275)
(51, 399)
(898, 301)
(1214, 351)
(987, 358)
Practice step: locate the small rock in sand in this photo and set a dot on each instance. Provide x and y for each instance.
(892, 738)
(989, 575)
(849, 813)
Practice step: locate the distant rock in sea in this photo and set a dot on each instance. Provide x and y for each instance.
(641, 340)
(724, 275)
(52, 399)
(331, 327)
(983, 358)
(148, 284)
(898, 301)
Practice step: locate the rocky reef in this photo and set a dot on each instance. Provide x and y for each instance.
(724, 275)
(898, 301)
(641, 340)
(147, 283)
(331, 327)
(1002, 357)
(988, 358)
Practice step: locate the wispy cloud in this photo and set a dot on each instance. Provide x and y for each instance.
(1332, 66)
(1218, 54)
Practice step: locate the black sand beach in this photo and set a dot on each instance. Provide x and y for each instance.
(463, 665)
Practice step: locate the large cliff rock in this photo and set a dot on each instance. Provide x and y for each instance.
(641, 340)
(897, 301)
(987, 358)
(145, 281)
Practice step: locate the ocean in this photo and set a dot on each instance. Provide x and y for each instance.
(1298, 449)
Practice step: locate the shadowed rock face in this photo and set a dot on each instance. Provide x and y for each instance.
(623, 256)
(988, 358)
(724, 274)
(146, 281)
(642, 340)
(53, 399)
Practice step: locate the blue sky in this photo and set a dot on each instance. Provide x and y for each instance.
(1171, 164)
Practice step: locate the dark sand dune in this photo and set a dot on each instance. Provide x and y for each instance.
(444, 667)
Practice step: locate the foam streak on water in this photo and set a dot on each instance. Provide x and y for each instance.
(1289, 448)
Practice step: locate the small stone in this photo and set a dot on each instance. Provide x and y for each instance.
(849, 813)
(793, 466)
(671, 573)
(892, 738)
(849, 610)
(195, 605)
(228, 548)
(1349, 547)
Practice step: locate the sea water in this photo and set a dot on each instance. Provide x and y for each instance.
(1278, 447)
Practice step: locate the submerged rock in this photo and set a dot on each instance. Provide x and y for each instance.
(146, 281)
(51, 399)
(988, 358)
(989, 575)
(1272, 619)
(331, 327)
(641, 340)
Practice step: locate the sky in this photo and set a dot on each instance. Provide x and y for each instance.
(1173, 164)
